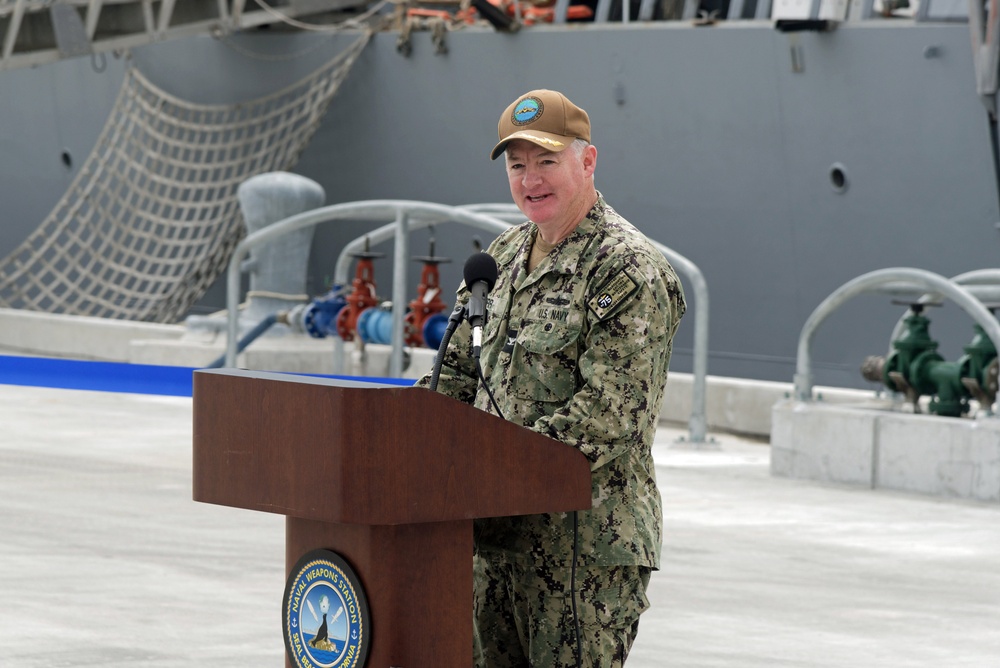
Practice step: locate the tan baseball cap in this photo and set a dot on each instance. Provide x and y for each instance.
(544, 117)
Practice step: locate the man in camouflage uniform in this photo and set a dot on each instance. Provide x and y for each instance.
(576, 344)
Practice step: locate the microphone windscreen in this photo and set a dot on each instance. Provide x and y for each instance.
(480, 267)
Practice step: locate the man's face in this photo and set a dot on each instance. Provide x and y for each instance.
(554, 190)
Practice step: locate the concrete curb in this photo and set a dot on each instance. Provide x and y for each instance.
(733, 405)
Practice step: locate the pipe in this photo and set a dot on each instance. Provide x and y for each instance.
(247, 339)
(433, 331)
(375, 326)
(698, 422)
(400, 256)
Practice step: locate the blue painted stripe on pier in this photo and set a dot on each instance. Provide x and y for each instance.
(116, 376)
(99, 376)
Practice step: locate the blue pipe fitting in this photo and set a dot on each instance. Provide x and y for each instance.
(320, 317)
(375, 326)
(433, 330)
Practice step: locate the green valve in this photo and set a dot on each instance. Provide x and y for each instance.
(915, 369)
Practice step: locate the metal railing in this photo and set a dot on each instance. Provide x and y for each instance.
(983, 284)
(407, 216)
(402, 211)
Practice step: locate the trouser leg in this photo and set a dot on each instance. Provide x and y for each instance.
(524, 617)
(495, 639)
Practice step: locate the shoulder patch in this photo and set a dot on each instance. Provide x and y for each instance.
(620, 287)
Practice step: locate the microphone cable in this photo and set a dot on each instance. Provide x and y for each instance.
(572, 589)
(489, 392)
(454, 320)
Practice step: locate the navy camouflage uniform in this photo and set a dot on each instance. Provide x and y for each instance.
(578, 350)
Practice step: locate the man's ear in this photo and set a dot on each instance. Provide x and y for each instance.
(589, 159)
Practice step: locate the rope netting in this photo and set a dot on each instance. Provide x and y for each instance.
(152, 217)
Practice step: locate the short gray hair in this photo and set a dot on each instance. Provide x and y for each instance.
(579, 145)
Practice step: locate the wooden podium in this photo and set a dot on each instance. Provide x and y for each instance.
(388, 477)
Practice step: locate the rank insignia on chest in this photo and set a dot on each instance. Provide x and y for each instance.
(511, 339)
(614, 292)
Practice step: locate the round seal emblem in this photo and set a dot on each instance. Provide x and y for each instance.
(325, 620)
(526, 111)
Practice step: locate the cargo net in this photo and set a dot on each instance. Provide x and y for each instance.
(152, 218)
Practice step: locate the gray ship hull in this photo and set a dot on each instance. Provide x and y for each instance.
(715, 141)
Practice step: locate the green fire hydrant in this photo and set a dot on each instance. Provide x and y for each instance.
(915, 369)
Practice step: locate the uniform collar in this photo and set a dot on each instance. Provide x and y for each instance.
(565, 256)
(567, 253)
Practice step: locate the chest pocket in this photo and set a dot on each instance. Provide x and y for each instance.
(545, 359)
(496, 322)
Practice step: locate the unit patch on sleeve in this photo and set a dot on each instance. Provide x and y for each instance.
(614, 292)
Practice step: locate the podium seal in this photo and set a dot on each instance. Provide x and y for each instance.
(325, 619)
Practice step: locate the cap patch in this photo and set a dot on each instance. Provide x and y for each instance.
(614, 292)
(527, 110)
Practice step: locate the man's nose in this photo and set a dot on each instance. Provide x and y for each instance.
(531, 176)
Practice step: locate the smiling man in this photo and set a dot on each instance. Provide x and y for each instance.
(576, 344)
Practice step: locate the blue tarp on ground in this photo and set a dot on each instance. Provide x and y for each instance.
(113, 376)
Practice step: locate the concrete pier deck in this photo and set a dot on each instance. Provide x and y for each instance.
(106, 561)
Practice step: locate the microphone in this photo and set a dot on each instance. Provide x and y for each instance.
(480, 275)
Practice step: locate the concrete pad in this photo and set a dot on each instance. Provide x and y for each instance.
(868, 445)
(106, 561)
(823, 443)
(945, 456)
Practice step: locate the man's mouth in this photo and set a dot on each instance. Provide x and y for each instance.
(536, 198)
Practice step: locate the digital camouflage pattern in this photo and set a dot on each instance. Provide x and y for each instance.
(578, 350)
(608, 604)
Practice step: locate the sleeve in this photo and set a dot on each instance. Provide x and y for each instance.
(632, 316)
